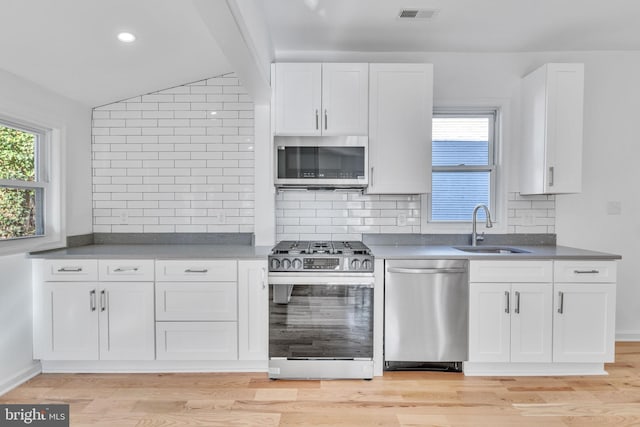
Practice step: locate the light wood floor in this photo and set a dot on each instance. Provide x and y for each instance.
(397, 399)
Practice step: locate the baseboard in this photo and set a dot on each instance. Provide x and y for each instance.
(20, 378)
(487, 369)
(151, 366)
(628, 336)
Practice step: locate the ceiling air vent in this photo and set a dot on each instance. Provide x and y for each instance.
(411, 14)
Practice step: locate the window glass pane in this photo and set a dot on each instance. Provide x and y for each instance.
(460, 141)
(455, 194)
(17, 154)
(19, 216)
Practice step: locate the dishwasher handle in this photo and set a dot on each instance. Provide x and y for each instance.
(405, 270)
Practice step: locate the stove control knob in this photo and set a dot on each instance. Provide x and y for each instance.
(366, 264)
(297, 264)
(275, 263)
(355, 264)
(286, 264)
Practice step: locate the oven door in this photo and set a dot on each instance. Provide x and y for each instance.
(323, 316)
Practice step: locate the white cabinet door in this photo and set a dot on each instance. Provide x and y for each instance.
(70, 321)
(298, 103)
(253, 310)
(197, 340)
(489, 322)
(345, 99)
(196, 301)
(127, 325)
(400, 111)
(584, 322)
(552, 108)
(531, 326)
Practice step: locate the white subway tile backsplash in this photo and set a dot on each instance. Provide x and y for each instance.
(163, 163)
(363, 213)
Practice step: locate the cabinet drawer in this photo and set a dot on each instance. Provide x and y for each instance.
(121, 270)
(70, 270)
(196, 301)
(196, 271)
(582, 271)
(196, 340)
(511, 271)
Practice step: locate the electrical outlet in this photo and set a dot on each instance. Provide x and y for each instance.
(124, 217)
(528, 218)
(402, 220)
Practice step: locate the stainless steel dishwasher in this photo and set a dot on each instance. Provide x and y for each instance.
(426, 305)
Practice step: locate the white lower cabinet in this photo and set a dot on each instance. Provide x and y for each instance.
(197, 340)
(98, 321)
(584, 311)
(253, 310)
(510, 322)
(564, 326)
(197, 310)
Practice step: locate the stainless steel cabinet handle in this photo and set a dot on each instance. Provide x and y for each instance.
(69, 269)
(506, 307)
(326, 119)
(586, 271)
(371, 177)
(551, 173)
(317, 125)
(123, 269)
(561, 303)
(103, 300)
(264, 277)
(425, 270)
(192, 270)
(92, 300)
(517, 309)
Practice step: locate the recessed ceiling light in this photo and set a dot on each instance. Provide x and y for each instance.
(126, 37)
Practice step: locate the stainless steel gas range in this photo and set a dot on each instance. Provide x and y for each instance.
(321, 310)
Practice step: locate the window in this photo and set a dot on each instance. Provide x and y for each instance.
(463, 160)
(22, 182)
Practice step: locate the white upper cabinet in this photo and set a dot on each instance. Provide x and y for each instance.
(314, 99)
(552, 122)
(400, 111)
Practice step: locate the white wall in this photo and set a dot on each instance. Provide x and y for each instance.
(26, 101)
(16, 333)
(22, 100)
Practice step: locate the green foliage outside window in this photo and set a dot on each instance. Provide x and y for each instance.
(17, 162)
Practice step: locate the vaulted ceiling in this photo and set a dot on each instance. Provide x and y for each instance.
(70, 46)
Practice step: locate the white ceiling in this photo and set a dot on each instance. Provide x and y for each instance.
(70, 46)
(461, 25)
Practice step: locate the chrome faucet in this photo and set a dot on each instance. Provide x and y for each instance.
(474, 235)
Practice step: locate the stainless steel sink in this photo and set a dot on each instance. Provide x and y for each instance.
(491, 249)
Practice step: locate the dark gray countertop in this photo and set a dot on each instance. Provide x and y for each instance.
(203, 251)
(449, 252)
(158, 252)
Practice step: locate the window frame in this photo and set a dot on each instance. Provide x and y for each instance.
(500, 150)
(49, 180)
(492, 114)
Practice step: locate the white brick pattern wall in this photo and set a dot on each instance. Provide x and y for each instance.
(163, 162)
(346, 215)
(343, 215)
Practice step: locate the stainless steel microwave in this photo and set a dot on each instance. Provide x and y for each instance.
(332, 162)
